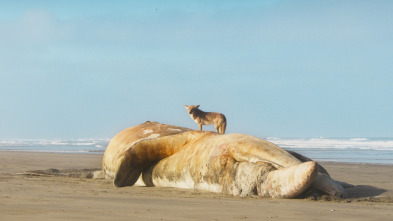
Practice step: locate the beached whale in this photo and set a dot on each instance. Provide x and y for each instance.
(236, 164)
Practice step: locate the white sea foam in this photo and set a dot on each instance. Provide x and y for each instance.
(355, 150)
(325, 143)
(360, 150)
(55, 145)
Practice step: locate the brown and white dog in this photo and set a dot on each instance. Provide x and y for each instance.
(207, 118)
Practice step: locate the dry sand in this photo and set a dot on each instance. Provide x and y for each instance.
(26, 197)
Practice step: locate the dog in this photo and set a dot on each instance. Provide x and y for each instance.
(207, 118)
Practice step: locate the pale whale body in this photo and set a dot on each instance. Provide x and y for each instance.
(235, 164)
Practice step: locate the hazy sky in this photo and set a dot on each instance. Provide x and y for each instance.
(79, 69)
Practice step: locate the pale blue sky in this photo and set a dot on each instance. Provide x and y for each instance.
(77, 69)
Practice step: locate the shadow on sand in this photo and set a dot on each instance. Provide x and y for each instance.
(359, 193)
(364, 191)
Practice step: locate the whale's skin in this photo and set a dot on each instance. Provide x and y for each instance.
(235, 164)
(124, 150)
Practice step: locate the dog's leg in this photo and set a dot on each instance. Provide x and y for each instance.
(200, 127)
(223, 127)
(217, 127)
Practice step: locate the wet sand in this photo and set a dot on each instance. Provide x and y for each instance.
(29, 197)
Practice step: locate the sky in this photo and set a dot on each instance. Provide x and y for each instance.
(298, 69)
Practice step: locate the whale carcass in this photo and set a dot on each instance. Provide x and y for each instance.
(236, 164)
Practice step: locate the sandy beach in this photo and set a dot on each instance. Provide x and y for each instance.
(28, 197)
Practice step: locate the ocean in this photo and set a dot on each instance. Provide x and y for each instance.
(346, 150)
(83, 146)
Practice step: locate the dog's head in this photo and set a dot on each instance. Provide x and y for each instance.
(191, 108)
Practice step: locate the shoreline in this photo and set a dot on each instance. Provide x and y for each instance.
(63, 198)
(102, 152)
(56, 152)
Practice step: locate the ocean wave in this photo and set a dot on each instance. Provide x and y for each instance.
(54, 142)
(88, 145)
(51, 151)
(326, 143)
(314, 143)
(359, 139)
(357, 150)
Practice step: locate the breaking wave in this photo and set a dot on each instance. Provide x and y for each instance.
(352, 150)
(89, 145)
